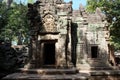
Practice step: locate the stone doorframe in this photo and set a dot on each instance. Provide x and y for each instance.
(90, 52)
(41, 51)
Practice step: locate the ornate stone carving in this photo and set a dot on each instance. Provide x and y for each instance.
(83, 11)
(59, 1)
(48, 8)
(62, 22)
(67, 7)
(49, 23)
(81, 8)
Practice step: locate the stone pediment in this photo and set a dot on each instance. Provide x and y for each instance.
(49, 24)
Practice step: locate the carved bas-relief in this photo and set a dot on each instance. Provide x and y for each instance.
(64, 8)
(49, 23)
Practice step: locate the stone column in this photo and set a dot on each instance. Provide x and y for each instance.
(41, 54)
(78, 53)
(34, 53)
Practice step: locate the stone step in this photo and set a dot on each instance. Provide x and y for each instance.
(93, 67)
(97, 63)
(49, 71)
(25, 76)
(100, 68)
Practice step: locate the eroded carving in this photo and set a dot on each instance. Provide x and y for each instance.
(59, 1)
(66, 7)
(49, 23)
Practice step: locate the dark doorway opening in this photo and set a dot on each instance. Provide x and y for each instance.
(49, 54)
(94, 51)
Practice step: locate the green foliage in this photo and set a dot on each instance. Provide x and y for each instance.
(31, 1)
(13, 23)
(2, 11)
(93, 4)
(112, 10)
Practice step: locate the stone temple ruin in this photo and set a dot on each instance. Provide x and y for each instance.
(62, 39)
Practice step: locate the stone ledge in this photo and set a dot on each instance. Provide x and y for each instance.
(49, 71)
(101, 72)
(23, 76)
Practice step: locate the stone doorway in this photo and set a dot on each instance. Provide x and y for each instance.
(49, 54)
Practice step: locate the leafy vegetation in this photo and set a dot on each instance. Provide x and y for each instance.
(112, 10)
(13, 23)
(13, 27)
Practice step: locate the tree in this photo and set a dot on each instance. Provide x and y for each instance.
(3, 18)
(14, 23)
(93, 4)
(13, 26)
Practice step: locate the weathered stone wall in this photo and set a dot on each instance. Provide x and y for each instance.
(90, 33)
(74, 32)
(53, 25)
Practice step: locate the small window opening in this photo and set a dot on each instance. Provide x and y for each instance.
(94, 51)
